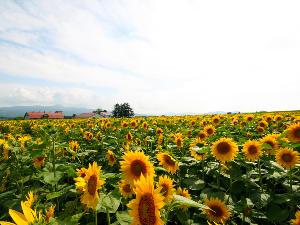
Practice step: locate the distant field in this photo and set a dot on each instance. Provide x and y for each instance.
(230, 168)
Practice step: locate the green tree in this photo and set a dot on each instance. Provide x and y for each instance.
(99, 111)
(122, 110)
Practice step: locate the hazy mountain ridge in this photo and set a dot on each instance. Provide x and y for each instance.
(19, 111)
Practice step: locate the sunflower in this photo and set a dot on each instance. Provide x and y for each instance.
(128, 136)
(126, 189)
(89, 185)
(5, 148)
(272, 144)
(81, 172)
(263, 123)
(216, 119)
(74, 146)
(294, 132)
(287, 158)
(30, 199)
(235, 121)
(39, 161)
(88, 135)
(159, 131)
(268, 118)
(252, 150)
(145, 208)
(296, 221)
(110, 155)
(168, 162)
(218, 211)
(193, 122)
(178, 139)
(209, 130)
(134, 164)
(166, 187)
(29, 216)
(202, 135)
(278, 118)
(133, 124)
(50, 213)
(243, 123)
(160, 139)
(260, 129)
(249, 117)
(124, 124)
(145, 125)
(185, 193)
(224, 149)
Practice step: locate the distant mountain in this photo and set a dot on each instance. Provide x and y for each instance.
(16, 111)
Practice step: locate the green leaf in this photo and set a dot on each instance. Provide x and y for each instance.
(194, 185)
(276, 213)
(57, 194)
(36, 153)
(123, 218)
(71, 220)
(109, 203)
(50, 179)
(180, 200)
(266, 146)
(109, 175)
(201, 150)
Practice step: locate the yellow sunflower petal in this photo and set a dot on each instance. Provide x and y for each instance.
(18, 217)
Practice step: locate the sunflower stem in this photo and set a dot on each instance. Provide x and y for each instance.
(290, 179)
(243, 221)
(96, 221)
(219, 172)
(259, 172)
(53, 161)
(108, 217)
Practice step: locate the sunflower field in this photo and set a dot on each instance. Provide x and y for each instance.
(207, 169)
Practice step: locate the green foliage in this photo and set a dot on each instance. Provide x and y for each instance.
(122, 110)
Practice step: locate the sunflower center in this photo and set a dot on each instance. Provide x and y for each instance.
(111, 158)
(262, 124)
(92, 185)
(252, 149)
(178, 142)
(164, 190)
(40, 158)
(287, 157)
(217, 211)
(223, 147)
(209, 131)
(138, 167)
(169, 160)
(146, 210)
(127, 188)
(202, 135)
(297, 132)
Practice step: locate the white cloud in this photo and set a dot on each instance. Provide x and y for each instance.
(161, 56)
(14, 94)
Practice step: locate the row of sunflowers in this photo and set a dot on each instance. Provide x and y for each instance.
(206, 169)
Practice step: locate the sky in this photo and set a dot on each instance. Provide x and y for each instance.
(160, 56)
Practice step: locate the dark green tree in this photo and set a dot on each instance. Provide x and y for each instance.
(99, 111)
(122, 110)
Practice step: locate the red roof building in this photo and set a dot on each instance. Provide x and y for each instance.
(86, 115)
(44, 115)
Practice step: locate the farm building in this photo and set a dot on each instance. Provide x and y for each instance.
(93, 115)
(43, 115)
